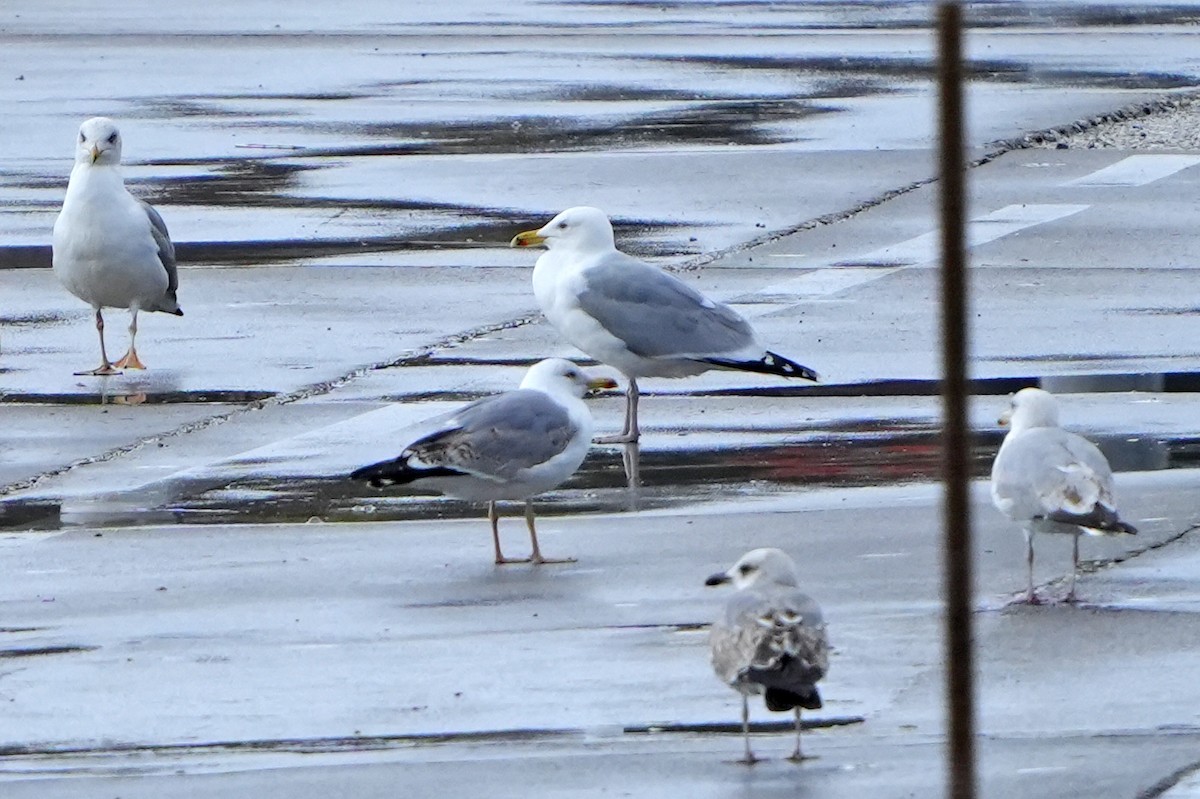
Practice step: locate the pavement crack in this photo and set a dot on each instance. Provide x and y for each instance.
(1170, 781)
(410, 358)
(1092, 566)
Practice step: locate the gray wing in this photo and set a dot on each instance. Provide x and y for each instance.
(775, 639)
(657, 314)
(500, 436)
(1050, 471)
(166, 250)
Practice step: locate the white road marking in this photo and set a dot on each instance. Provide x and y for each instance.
(1137, 170)
(917, 251)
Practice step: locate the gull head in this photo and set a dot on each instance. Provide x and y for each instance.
(770, 566)
(558, 375)
(582, 229)
(1031, 407)
(99, 143)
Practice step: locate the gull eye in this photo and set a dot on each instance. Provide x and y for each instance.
(82, 138)
(745, 568)
(113, 138)
(562, 225)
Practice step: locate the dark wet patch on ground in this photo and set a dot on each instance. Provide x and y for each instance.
(870, 453)
(233, 183)
(358, 743)
(641, 238)
(859, 15)
(987, 71)
(37, 651)
(150, 397)
(1161, 382)
(35, 319)
(739, 121)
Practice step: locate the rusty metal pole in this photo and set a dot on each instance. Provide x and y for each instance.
(956, 443)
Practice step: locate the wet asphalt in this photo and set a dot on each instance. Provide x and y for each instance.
(197, 602)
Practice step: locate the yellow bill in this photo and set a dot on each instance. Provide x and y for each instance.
(528, 238)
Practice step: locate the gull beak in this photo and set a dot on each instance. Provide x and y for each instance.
(720, 578)
(1005, 418)
(597, 383)
(95, 152)
(529, 238)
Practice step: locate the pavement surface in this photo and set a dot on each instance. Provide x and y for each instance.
(196, 602)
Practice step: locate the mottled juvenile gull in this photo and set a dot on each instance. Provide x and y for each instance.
(1051, 480)
(770, 640)
(633, 316)
(509, 446)
(112, 250)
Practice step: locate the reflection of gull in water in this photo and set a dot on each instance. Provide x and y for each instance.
(1051, 480)
(770, 640)
(112, 250)
(509, 446)
(633, 316)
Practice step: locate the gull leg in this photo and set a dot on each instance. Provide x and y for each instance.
(537, 552)
(130, 360)
(797, 756)
(105, 367)
(1031, 596)
(749, 758)
(631, 459)
(1070, 597)
(630, 432)
(494, 518)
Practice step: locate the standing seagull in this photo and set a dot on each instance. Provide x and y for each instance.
(770, 639)
(509, 446)
(633, 316)
(112, 250)
(1051, 480)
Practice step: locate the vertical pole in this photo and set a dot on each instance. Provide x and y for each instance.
(956, 444)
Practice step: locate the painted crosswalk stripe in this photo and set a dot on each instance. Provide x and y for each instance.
(1137, 170)
(920, 250)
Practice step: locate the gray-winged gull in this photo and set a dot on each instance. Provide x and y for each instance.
(112, 250)
(770, 639)
(1051, 480)
(636, 317)
(509, 446)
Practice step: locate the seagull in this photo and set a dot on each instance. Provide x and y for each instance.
(112, 250)
(634, 316)
(1051, 480)
(509, 446)
(770, 640)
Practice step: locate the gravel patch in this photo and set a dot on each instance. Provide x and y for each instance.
(1169, 123)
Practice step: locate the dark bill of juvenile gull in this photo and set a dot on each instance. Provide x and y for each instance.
(112, 250)
(1051, 480)
(770, 639)
(634, 316)
(510, 446)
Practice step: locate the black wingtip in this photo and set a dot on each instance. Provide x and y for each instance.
(772, 363)
(1102, 519)
(789, 368)
(376, 474)
(398, 472)
(778, 699)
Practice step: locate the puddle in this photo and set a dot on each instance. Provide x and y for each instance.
(874, 453)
